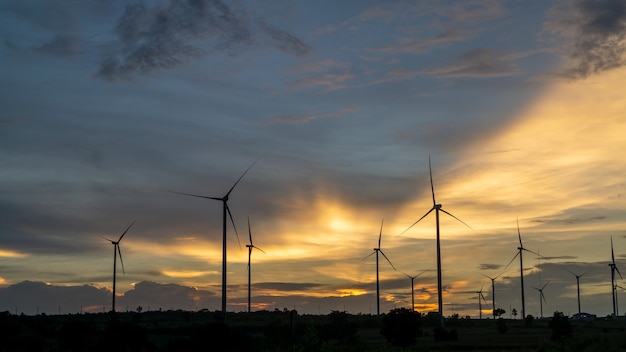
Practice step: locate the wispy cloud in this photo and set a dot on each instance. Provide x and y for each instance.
(151, 38)
(480, 62)
(309, 118)
(595, 33)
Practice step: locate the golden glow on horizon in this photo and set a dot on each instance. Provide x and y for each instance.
(11, 254)
(187, 273)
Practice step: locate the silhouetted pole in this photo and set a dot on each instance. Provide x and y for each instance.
(439, 286)
(249, 276)
(578, 289)
(613, 289)
(377, 285)
(412, 294)
(521, 270)
(114, 274)
(493, 297)
(225, 209)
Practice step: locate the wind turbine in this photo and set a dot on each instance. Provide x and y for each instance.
(520, 249)
(250, 246)
(225, 211)
(379, 250)
(116, 250)
(413, 287)
(437, 208)
(493, 291)
(613, 270)
(480, 306)
(577, 284)
(542, 298)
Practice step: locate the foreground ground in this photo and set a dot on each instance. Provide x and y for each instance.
(287, 331)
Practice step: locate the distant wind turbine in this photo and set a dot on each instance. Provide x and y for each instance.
(493, 291)
(116, 250)
(437, 208)
(542, 298)
(613, 285)
(225, 211)
(480, 306)
(413, 287)
(520, 249)
(379, 250)
(250, 246)
(577, 285)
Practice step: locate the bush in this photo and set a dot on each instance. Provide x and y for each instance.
(560, 325)
(401, 326)
(442, 334)
(529, 320)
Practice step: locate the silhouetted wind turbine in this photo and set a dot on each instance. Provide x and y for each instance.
(437, 208)
(250, 246)
(413, 287)
(480, 306)
(542, 298)
(520, 249)
(493, 291)
(379, 250)
(577, 284)
(225, 211)
(613, 270)
(116, 250)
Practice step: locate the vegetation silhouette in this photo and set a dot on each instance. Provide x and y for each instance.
(401, 327)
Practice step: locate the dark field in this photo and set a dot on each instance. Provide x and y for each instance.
(288, 331)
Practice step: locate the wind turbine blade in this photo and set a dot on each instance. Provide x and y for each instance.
(583, 274)
(119, 251)
(259, 249)
(544, 286)
(129, 226)
(535, 253)
(240, 177)
(233, 222)
(432, 187)
(483, 297)
(506, 267)
(106, 239)
(369, 255)
(487, 276)
(519, 235)
(543, 296)
(380, 236)
(249, 231)
(612, 253)
(571, 272)
(461, 221)
(618, 273)
(418, 220)
(194, 195)
(381, 252)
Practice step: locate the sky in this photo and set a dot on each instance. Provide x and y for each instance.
(109, 108)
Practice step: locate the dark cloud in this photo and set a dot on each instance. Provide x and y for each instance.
(31, 297)
(569, 221)
(152, 38)
(486, 266)
(166, 296)
(61, 45)
(596, 30)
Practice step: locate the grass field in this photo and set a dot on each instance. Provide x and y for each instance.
(287, 331)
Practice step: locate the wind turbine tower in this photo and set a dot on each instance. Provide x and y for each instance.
(613, 285)
(116, 250)
(225, 212)
(379, 250)
(577, 285)
(413, 287)
(250, 246)
(542, 298)
(520, 249)
(437, 208)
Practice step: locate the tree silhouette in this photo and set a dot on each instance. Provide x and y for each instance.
(401, 327)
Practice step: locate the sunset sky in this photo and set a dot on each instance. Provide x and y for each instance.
(110, 107)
